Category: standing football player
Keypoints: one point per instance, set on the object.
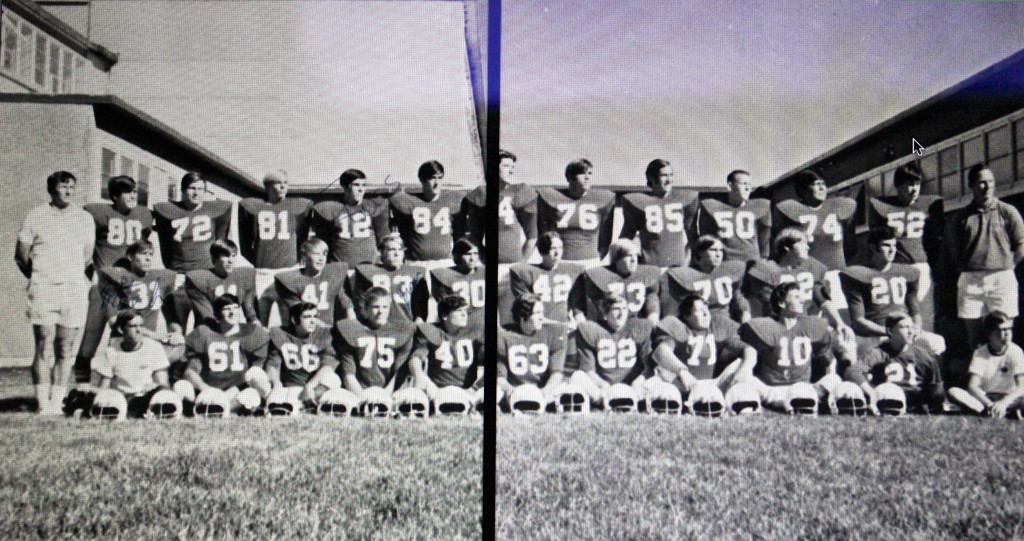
(743, 224)
(392, 274)
(616, 348)
(517, 214)
(551, 280)
(136, 367)
(204, 285)
(353, 227)
(581, 214)
(661, 217)
(317, 282)
(995, 383)
(301, 357)
(623, 275)
(718, 282)
(466, 279)
(530, 351)
(425, 219)
(373, 350)
(449, 354)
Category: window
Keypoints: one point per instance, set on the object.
(35, 59)
(929, 165)
(67, 76)
(949, 167)
(143, 185)
(127, 167)
(40, 73)
(107, 159)
(54, 67)
(974, 151)
(9, 55)
(888, 187)
(874, 185)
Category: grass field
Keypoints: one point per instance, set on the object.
(240, 478)
(759, 477)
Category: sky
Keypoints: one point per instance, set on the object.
(718, 85)
(310, 87)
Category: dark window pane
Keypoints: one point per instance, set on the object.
(1020, 133)
(127, 167)
(888, 188)
(40, 75)
(930, 169)
(949, 160)
(106, 170)
(999, 143)
(1020, 166)
(974, 152)
(1002, 168)
(874, 185)
(951, 187)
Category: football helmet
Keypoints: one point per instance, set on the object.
(338, 403)
(802, 399)
(663, 397)
(109, 405)
(706, 400)
(621, 398)
(527, 399)
(165, 404)
(848, 399)
(248, 401)
(453, 400)
(376, 402)
(282, 402)
(412, 402)
(743, 399)
(570, 398)
(891, 399)
(212, 403)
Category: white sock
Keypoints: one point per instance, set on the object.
(43, 395)
(57, 395)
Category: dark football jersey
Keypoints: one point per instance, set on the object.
(401, 282)
(552, 286)
(705, 353)
(765, 275)
(826, 226)
(640, 290)
(531, 359)
(186, 235)
(122, 289)
(451, 359)
(269, 236)
(374, 356)
(720, 288)
(447, 281)
(617, 357)
(351, 231)
(221, 361)
(517, 215)
(784, 355)
(745, 231)
(298, 359)
(426, 226)
(585, 224)
(204, 286)
(116, 231)
(875, 294)
(915, 369)
(918, 226)
(662, 222)
(326, 290)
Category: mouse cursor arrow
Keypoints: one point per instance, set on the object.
(916, 148)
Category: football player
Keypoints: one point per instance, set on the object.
(205, 285)
(517, 214)
(530, 351)
(623, 275)
(392, 273)
(425, 219)
(580, 213)
(718, 282)
(352, 227)
(374, 351)
(551, 280)
(661, 217)
(317, 282)
(301, 357)
(136, 366)
(995, 383)
(449, 354)
(466, 279)
(696, 346)
(616, 348)
(743, 224)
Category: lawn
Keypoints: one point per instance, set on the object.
(759, 477)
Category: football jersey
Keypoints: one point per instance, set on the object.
(351, 231)
(662, 222)
(122, 289)
(374, 356)
(617, 357)
(640, 290)
(915, 369)
(784, 355)
(826, 226)
(517, 215)
(426, 226)
(997, 372)
(186, 235)
(706, 352)
(765, 275)
(745, 231)
(269, 235)
(116, 231)
(451, 359)
(874, 294)
(400, 282)
(447, 281)
(531, 359)
(204, 286)
(552, 286)
(298, 359)
(718, 288)
(326, 290)
(222, 361)
(918, 226)
(585, 224)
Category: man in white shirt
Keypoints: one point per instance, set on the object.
(136, 367)
(995, 384)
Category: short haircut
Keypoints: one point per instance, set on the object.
(620, 248)
(993, 320)
(374, 293)
(299, 308)
(429, 169)
(311, 244)
(803, 180)
(222, 248)
(611, 299)
(504, 154)
(59, 177)
(654, 168)
(688, 303)
(191, 178)
(349, 176)
(879, 235)
(907, 173)
(450, 304)
(544, 241)
(120, 184)
(226, 299)
(779, 294)
(125, 317)
(705, 242)
(275, 176)
(577, 167)
(894, 318)
(974, 173)
(462, 245)
(522, 307)
(731, 177)
(139, 246)
(391, 238)
(787, 238)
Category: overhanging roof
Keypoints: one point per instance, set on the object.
(100, 56)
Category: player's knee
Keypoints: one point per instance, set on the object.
(331, 381)
(257, 378)
(827, 384)
(185, 390)
(246, 400)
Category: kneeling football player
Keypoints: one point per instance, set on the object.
(995, 384)
(373, 351)
(136, 366)
(448, 354)
(301, 359)
(614, 349)
(531, 351)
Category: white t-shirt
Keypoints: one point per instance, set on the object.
(997, 372)
(132, 371)
(61, 241)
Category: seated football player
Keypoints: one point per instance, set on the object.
(582, 214)
(696, 346)
(450, 353)
(373, 351)
(743, 224)
(903, 361)
(204, 285)
(229, 355)
(662, 217)
(623, 275)
(718, 282)
(135, 366)
(551, 280)
(317, 282)
(789, 348)
(995, 384)
(353, 226)
(614, 349)
(467, 278)
(392, 273)
(530, 350)
(301, 357)
(425, 219)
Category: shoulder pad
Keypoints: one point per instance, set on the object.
(589, 332)
(350, 330)
(674, 328)
(859, 273)
(764, 270)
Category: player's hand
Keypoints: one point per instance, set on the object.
(687, 379)
(998, 409)
(872, 398)
(174, 339)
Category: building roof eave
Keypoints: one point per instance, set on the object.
(100, 56)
